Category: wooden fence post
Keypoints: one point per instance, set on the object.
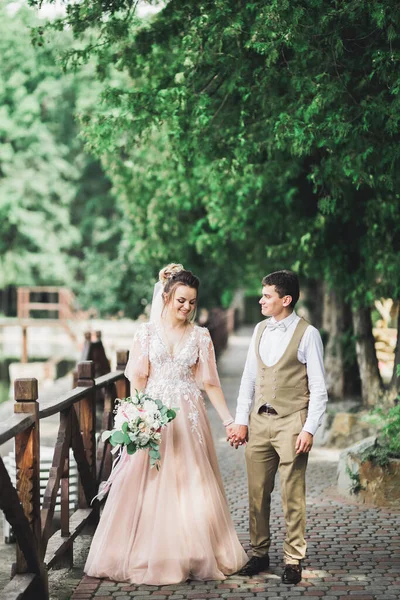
(27, 460)
(24, 350)
(86, 412)
(123, 385)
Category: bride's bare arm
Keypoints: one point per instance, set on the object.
(138, 383)
(217, 399)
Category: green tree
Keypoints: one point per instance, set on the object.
(258, 133)
(59, 222)
(37, 176)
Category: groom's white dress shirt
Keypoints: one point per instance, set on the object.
(273, 344)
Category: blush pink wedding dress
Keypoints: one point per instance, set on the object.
(167, 526)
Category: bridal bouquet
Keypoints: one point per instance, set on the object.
(137, 425)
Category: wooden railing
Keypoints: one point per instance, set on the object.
(38, 548)
(63, 306)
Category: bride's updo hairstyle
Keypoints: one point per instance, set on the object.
(174, 275)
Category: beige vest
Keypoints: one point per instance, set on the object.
(284, 385)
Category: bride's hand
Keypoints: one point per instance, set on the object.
(238, 436)
(230, 431)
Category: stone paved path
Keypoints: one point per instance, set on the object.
(353, 551)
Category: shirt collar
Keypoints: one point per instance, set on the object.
(287, 321)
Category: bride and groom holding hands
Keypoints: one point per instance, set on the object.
(167, 526)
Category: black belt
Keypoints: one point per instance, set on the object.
(267, 409)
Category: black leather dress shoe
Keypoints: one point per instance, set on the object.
(255, 565)
(291, 574)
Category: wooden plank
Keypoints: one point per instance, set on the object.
(18, 587)
(61, 452)
(57, 544)
(43, 306)
(123, 387)
(13, 511)
(62, 403)
(69, 398)
(108, 378)
(87, 477)
(86, 421)
(44, 289)
(27, 462)
(103, 455)
(14, 425)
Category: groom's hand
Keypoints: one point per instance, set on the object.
(238, 436)
(304, 442)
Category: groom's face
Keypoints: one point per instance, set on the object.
(271, 304)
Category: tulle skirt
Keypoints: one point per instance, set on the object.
(167, 526)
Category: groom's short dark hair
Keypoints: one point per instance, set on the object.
(286, 284)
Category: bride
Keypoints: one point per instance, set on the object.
(167, 526)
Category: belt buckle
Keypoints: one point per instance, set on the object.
(270, 411)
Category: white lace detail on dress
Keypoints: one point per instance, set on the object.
(142, 335)
(204, 344)
(172, 378)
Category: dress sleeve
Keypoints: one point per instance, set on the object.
(206, 369)
(138, 363)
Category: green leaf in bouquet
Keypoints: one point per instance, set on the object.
(131, 448)
(154, 462)
(171, 414)
(127, 439)
(117, 438)
(154, 454)
(125, 427)
(154, 445)
(164, 410)
(159, 404)
(105, 435)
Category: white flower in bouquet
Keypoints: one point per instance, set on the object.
(144, 439)
(126, 412)
(150, 407)
(138, 423)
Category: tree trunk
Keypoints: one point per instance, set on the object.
(342, 373)
(372, 389)
(394, 387)
(312, 294)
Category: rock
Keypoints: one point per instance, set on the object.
(348, 428)
(348, 466)
(365, 481)
(380, 485)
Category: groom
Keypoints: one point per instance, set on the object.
(281, 402)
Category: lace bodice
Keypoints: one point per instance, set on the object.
(174, 378)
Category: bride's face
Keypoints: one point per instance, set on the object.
(183, 302)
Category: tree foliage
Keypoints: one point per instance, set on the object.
(60, 224)
(253, 133)
(37, 177)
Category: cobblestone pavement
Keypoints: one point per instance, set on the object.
(353, 551)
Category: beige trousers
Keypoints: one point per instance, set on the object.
(271, 446)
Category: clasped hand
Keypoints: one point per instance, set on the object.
(237, 435)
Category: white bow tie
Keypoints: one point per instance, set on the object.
(275, 325)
